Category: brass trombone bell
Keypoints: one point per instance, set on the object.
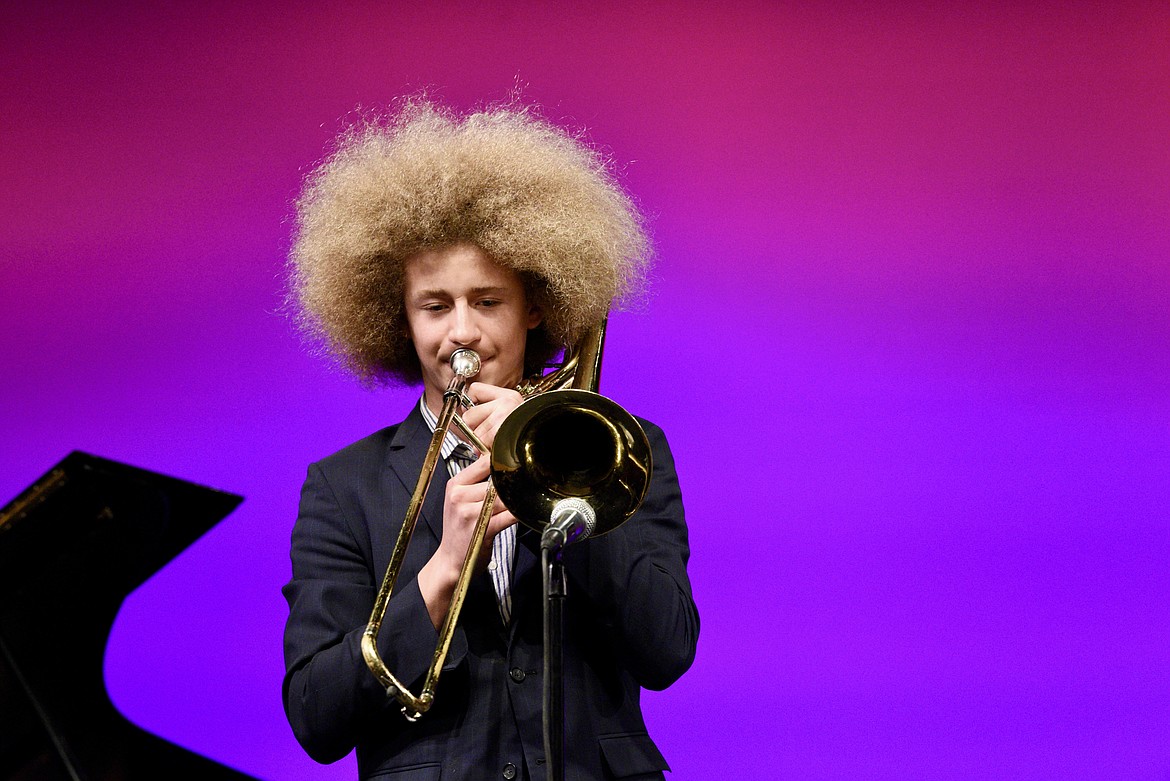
(571, 444)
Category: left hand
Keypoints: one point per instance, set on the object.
(492, 406)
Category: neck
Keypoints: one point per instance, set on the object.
(434, 401)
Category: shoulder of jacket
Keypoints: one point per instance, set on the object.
(369, 447)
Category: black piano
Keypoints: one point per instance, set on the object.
(72, 547)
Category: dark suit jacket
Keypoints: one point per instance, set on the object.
(630, 623)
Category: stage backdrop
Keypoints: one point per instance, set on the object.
(909, 336)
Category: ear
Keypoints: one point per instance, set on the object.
(535, 317)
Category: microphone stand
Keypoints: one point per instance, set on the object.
(554, 686)
(572, 519)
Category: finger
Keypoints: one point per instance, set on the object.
(487, 429)
(473, 416)
(497, 407)
(482, 392)
(500, 522)
(468, 499)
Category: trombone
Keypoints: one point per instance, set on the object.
(564, 444)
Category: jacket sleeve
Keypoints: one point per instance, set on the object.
(635, 579)
(330, 695)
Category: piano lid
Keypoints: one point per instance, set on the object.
(72, 547)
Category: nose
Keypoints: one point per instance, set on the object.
(464, 326)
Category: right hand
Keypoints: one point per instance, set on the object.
(461, 509)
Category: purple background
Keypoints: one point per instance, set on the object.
(909, 337)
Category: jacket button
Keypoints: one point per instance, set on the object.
(518, 676)
(509, 771)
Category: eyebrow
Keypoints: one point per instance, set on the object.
(475, 291)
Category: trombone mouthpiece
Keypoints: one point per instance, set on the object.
(465, 362)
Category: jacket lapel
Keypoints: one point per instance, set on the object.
(406, 454)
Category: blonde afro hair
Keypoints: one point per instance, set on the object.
(531, 196)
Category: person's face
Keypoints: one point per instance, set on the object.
(457, 296)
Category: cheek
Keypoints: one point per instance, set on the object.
(420, 335)
(514, 336)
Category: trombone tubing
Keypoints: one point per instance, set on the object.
(414, 706)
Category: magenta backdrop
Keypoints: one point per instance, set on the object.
(910, 339)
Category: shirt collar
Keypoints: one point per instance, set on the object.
(450, 441)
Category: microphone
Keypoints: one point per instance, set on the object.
(572, 519)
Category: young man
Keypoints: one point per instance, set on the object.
(500, 233)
